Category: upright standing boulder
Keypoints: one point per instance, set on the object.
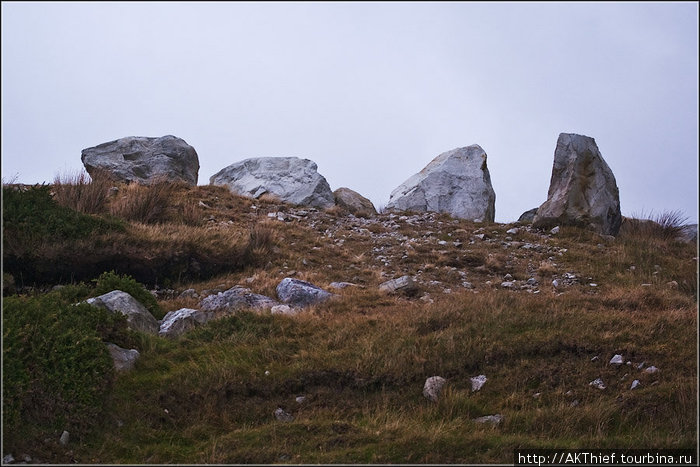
(289, 179)
(582, 190)
(144, 160)
(456, 182)
(353, 202)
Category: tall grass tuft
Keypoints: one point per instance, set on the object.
(665, 226)
(81, 193)
(144, 203)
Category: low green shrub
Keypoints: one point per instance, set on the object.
(57, 371)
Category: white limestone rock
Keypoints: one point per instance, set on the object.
(289, 179)
(456, 182)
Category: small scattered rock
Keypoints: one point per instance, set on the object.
(616, 360)
(493, 419)
(635, 384)
(341, 285)
(283, 416)
(595, 359)
(597, 383)
(432, 387)
(300, 399)
(283, 310)
(651, 369)
(8, 459)
(404, 284)
(65, 437)
(478, 382)
(555, 230)
(513, 231)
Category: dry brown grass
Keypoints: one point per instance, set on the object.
(82, 193)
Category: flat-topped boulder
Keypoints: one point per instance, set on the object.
(143, 160)
(456, 182)
(289, 179)
(582, 190)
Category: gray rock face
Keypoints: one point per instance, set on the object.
(353, 202)
(290, 179)
(456, 182)
(300, 293)
(582, 190)
(236, 298)
(144, 160)
(124, 359)
(177, 322)
(137, 316)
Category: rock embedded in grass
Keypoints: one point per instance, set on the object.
(237, 298)
(177, 322)
(433, 387)
(137, 316)
(300, 293)
(124, 359)
(597, 383)
(403, 285)
(478, 382)
(283, 416)
(492, 419)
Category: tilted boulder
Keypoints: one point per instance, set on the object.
(582, 190)
(143, 160)
(237, 298)
(300, 293)
(353, 202)
(178, 322)
(456, 182)
(137, 316)
(290, 179)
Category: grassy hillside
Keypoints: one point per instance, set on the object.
(350, 371)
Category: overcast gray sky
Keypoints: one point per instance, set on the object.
(371, 92)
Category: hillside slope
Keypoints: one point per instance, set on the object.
(539, 314)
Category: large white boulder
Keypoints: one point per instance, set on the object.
(144, 160)
(289, 179)
(582, 190)
(456, 182)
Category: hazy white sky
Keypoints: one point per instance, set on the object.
(371, 92)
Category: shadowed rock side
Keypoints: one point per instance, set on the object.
(289, 179)
(353, 202)
(143, 160)
(456, 182)
(582, 189)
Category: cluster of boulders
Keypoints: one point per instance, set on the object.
(582, 190)
(293, 294)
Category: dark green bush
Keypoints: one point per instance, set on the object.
(30, 214)
(57, 371)
(110, 281)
